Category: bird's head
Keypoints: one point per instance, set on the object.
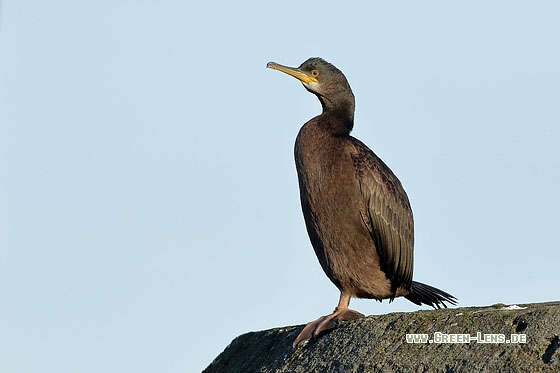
(324, 80)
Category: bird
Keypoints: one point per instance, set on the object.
(356, 211)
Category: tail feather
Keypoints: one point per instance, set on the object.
(425, 294)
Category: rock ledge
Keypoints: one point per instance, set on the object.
(379, 343)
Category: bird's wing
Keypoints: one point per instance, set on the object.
(386, 214)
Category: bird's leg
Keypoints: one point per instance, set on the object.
(342, 312)
(326, 323)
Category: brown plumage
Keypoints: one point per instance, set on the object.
(357, 214)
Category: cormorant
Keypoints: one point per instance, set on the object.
(357, 214)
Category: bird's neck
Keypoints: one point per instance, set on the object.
(338, 115)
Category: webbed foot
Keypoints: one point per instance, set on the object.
(326, 323)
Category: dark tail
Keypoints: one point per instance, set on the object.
(425, 294)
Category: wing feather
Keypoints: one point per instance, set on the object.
(387, 215)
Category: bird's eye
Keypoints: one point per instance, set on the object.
(315, 73)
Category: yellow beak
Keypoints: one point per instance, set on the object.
(296, 73)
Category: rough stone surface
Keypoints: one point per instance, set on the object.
(378, 344)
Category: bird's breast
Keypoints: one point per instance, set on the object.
(329, 187)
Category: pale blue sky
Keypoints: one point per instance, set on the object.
(149, 208)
